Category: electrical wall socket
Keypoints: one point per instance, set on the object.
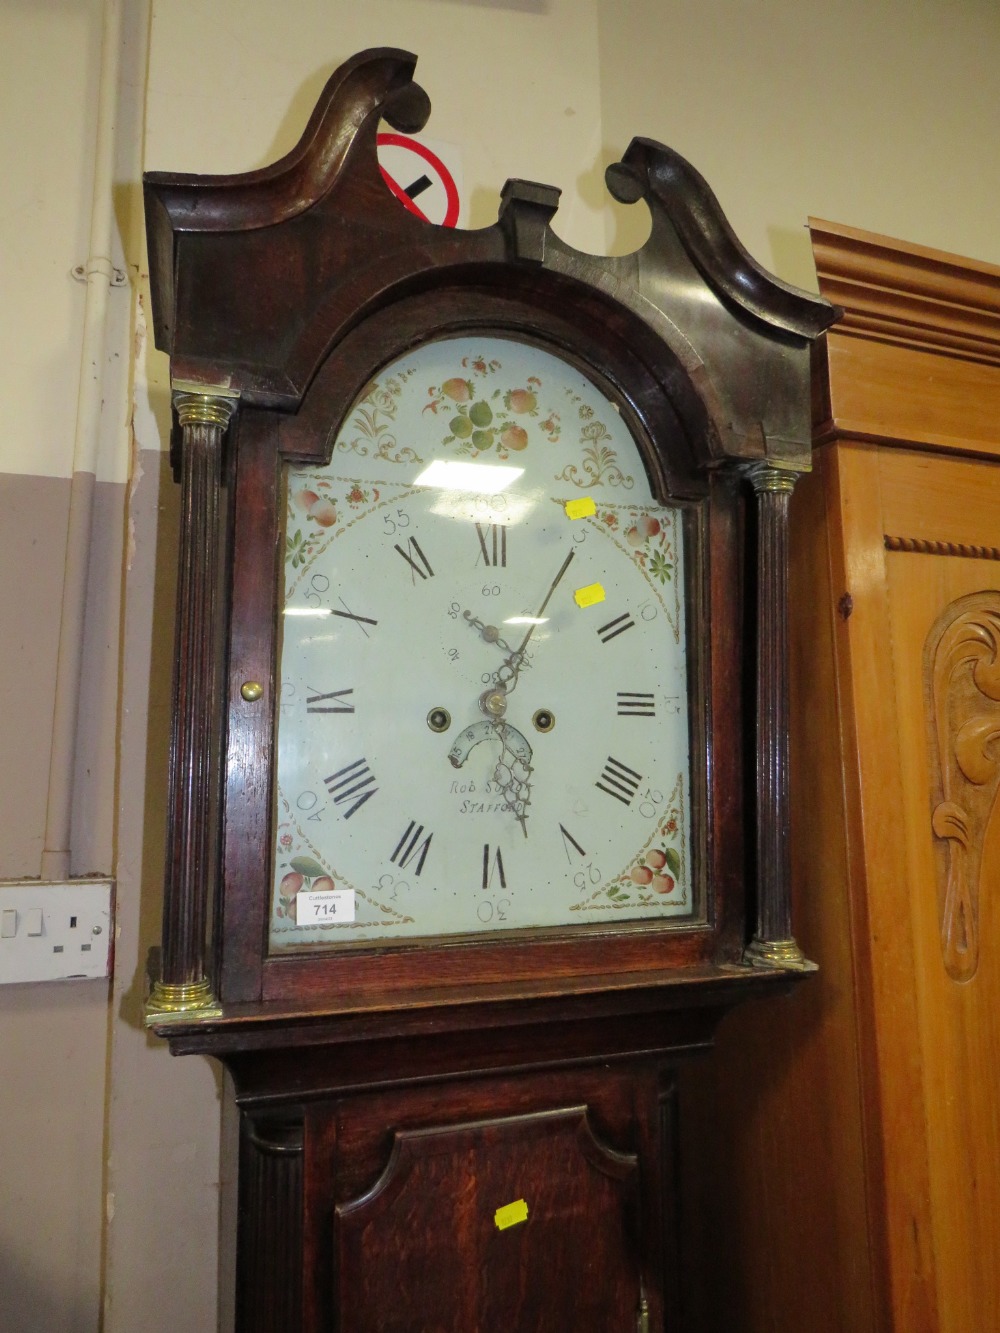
(55, 932)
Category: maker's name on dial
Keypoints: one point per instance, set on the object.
(480, 807)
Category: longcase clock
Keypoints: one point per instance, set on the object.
(478, 779)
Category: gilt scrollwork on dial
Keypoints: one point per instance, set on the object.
(962, 680)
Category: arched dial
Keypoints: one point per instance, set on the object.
(483, 715)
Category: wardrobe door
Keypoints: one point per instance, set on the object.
(941, 540)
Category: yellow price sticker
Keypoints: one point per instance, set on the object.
(590, 595)
(582, 508)
(510, 1214)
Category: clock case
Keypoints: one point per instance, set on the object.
(278, 295)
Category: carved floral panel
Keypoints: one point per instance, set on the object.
(962, 688)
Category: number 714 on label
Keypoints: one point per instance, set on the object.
(326, 908)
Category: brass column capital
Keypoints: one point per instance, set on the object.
(204, 406)
(768, 476)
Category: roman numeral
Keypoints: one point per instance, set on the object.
(421, 565)
(354, 781)
(632, 704)
(568, 842)
(492, 868)
(492, 544)
(317, 703)
(410, 845)
(619, 781)
(360, 621)
(615, 627)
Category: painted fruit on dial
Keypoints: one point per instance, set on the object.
(458, 390)
(514, 437)
(522, 400)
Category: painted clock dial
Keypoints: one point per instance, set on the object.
(483, 711)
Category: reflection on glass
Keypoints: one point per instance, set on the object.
(480, 478)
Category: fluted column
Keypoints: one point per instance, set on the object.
(773, 943)
(183, 984)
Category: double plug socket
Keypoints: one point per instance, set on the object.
(55, 932)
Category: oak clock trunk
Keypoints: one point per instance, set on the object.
(479, 768)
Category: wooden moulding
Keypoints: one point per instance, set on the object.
(905, 306)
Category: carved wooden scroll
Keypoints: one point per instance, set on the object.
(962, 685)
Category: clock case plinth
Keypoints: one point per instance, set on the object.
(278, 294)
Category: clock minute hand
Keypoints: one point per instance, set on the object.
(515, 788)
(515, 661)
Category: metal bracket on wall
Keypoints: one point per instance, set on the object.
(83, 272)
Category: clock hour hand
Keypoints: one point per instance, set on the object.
(513, 771)
(489, 632)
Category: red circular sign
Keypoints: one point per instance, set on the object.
(429, 173)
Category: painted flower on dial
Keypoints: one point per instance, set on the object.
(646, 536)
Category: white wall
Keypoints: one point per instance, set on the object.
(883, 114)
(50, 56)
(52, 1039)
(517, 85)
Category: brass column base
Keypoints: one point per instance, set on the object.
(777, 953)
(168, 1003)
